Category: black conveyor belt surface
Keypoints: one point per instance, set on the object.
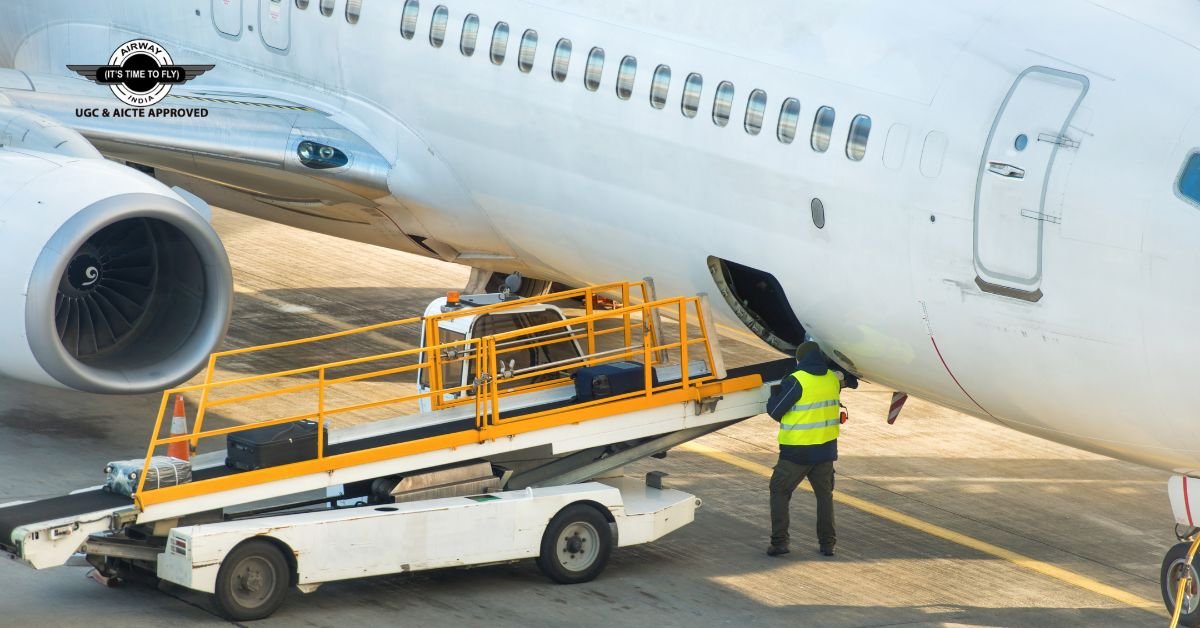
(56, 508)
(773, 371)
(14, 517)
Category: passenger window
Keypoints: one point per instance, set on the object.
(470, 33)
(723, 103)
(822, 129)
(789, 120)
(625, 77)
(856, 141)
(691, 95)
(660, 86)
(499, 43)
(756, 109)
(562, 60)
(528, 51)
(437, 28)
(408, 19)
(1189, 179)
(353, 10)
(327, 7)
(594, 70)
(302, 4)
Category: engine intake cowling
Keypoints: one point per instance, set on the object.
(114, 283)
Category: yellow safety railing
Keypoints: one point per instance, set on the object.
(494, 378)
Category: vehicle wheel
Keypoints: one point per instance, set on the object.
(1174, 567)
(576, 545)
(252, 581)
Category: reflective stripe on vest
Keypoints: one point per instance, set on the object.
(813, 406)
(814, 419)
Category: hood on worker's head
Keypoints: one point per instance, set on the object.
(810, 358)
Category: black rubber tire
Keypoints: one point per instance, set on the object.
(568, 569)
(267, 566)
(1177, 553)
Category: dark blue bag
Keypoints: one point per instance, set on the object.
(614, 378)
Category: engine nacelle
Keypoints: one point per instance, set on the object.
(112, 283)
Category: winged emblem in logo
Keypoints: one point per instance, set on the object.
(140, 73)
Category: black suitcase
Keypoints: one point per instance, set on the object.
(614, 378)
(273, 445)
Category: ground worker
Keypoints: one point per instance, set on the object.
(807, 407)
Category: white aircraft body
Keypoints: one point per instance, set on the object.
(991, 205)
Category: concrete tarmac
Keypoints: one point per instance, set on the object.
(943, 519)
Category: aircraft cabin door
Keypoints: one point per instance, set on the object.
(275, 24)
(1028, 132)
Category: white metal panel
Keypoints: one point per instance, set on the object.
(227, 16)
(933, 153)
(895, 146)
(377, 540)
(1185, 499)
(182, 570)
(1014, 173)
(649, 514)
(50, 543)
(275, 23)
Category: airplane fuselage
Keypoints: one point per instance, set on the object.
(1046, 283)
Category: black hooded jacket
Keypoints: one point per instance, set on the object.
(788, 394)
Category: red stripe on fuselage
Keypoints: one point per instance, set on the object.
(956, 382)
(1186, 505)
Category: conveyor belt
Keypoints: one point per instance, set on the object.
(85, 502)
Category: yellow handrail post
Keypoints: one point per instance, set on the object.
(320, 413)
(162, 410)
(493, 382)
(652, 325)
(683, 343)
(588, 298)
(435, 361)
(628, 318)
(646, 356)
(477, 392)
(203, 407)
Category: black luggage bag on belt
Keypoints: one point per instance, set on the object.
(273, 445)
(614, 378)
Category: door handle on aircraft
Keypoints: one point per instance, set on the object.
(1006, 170)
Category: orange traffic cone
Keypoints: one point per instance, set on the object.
(179, 449)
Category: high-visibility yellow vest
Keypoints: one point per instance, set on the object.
(814, 419)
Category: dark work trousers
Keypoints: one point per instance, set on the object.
(784, 481)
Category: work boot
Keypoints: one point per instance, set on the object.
(827, 550)
(777, 550)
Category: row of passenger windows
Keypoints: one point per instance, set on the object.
(786, 126)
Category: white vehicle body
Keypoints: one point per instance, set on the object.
(429, 534)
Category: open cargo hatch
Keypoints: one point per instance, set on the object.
(759, 301)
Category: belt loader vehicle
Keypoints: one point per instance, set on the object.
(505, 448)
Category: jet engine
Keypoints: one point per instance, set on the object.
(111, 282)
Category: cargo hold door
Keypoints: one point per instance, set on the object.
(1016, 167)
